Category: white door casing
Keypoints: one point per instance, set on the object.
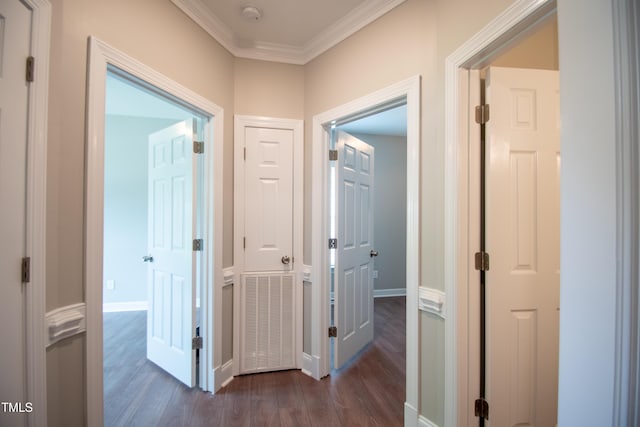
(103, 57)
(523, 239)
(15, 32)
(268, 199)
(354, 263)
(172, 266)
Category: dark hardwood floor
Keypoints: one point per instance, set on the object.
(368, 391)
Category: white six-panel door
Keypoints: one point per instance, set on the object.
(354, 265)
(523, 239)
(171, 281)
(268, 199)
(15, 30)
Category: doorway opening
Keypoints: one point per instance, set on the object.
(319, 306)
(382, 134)
(150, 216)
(175, 165)
(529, 184)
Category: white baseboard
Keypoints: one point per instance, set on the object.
(223, 375)
(410, 416)
(111, 307)
(311, 366)
(391, 292)
(425, 422)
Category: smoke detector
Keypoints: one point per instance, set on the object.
(251, 13)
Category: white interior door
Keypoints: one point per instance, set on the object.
(172, 260)
(268, 199)
(523, 239)
(15, 30)
(354, 262)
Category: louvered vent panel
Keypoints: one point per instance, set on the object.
(268, 323)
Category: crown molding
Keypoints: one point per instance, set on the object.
(348, 25)
(352, 22)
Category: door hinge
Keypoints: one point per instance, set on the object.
(482, 408)
(333, 331)
(196, 343)
(197, 244)
(26, 270)
(333, 154)
(482, 114)
(333, 243)
(482, 261)
(198, 147)
(30, 69)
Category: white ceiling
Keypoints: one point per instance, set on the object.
(291, 31)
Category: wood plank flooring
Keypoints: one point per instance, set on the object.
(368, 391)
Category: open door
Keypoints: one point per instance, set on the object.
(171, 320)
(523, 240)
(15, 20)
(355, 250)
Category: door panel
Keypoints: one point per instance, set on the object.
(15, 30)
(354, 278)
(172, 278)
(523, 154)
(268, 199)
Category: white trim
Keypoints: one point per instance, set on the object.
(476, 50)
(310, 365)
(36, 358)
(228, 275)
(65, 322)
(391, 292)
(115, 307)
(432, 301)
(306, 273)
(425, 422)
(224, 374)
(349, 24)
(101, 55)
(297, 126)
(626, 27)
(409, 89)
(410, 415)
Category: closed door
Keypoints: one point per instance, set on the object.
(523, 239)
(354, 257)
(268, 199)
(15, 30)
(171, 255)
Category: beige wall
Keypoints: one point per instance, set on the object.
(269, 89)
(539, 50)
(161, 36)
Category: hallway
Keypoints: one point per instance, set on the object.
(368, 391)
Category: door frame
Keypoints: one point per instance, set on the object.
(461, 209)
(320, 290)
(296, 126)
(102, 57)
(36, 206)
